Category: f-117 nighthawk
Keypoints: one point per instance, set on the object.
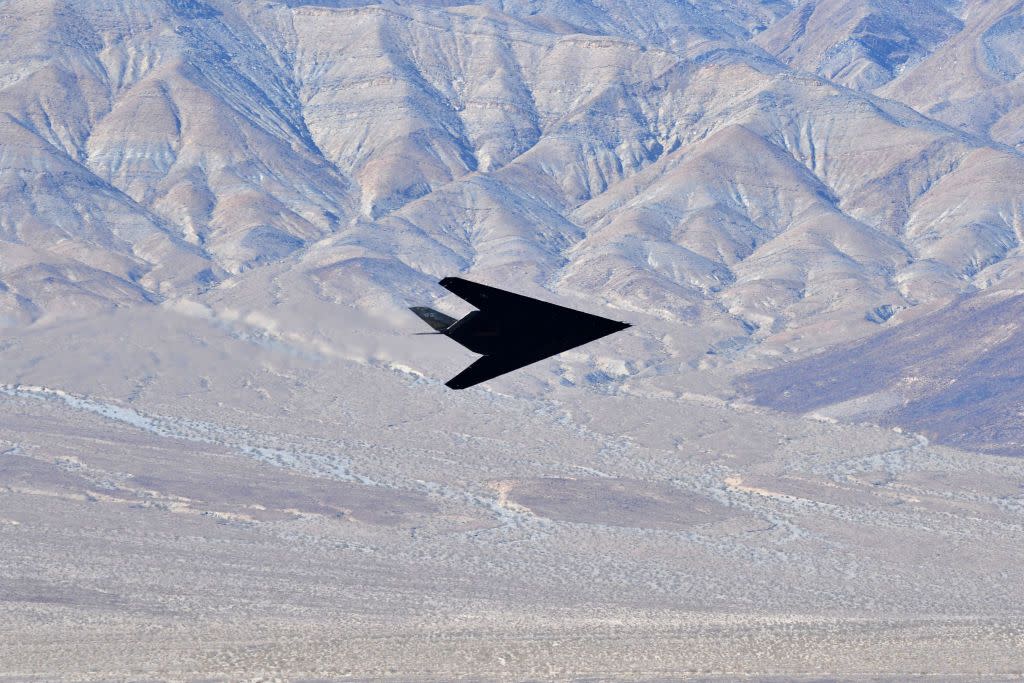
(511, 330)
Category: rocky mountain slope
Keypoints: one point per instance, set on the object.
(752, 181)
(224, 456)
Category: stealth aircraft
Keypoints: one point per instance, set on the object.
(511, 330)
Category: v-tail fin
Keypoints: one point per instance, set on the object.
(439, 321)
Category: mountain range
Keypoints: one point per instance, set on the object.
(226, 454)
(816, 206)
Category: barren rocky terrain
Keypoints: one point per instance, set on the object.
(279, 523)
(223, 456)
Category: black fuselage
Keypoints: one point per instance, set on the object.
(541, 332)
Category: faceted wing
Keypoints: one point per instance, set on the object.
(489, 367)
(490, 298)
